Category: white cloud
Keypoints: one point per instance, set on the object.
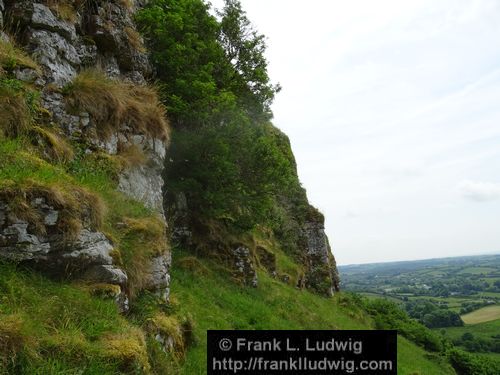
(479, 191)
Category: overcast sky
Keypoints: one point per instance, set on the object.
(393, 112)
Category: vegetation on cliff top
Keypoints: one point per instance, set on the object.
(234, 167)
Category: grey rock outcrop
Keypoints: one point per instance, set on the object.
(21, 241)
(105, 273)
(145, 182)
(321, 271)
(244, 267)
(102, 35)
(158, 278)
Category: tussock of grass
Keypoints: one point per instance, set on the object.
(64, 9)
(193, 265)
(135, 39)
(16, 116)
(169, 327)
(141, 239)
(49, 327)
(113, 103)
(13, 338)
(131, 156)
(77, 206)
(12, 57)
(128, 4)
(53, 144)
(106, 291)
(129, 349)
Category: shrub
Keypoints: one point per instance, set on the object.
(470, 364)
(387, 315)
(113, 103)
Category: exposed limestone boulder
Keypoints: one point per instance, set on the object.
(39, 16)
(113, 30)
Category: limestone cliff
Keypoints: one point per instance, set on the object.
(91, 70)
(87, 35)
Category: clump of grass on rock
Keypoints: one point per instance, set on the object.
(112, 103)
(12, 57)
(77, 206)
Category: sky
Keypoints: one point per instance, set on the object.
(393, 112)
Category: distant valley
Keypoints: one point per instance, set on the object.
(459, 297)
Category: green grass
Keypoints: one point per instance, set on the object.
(205, 291)
(55, 327)
(482, 330)
(416, 361)
(482, 315)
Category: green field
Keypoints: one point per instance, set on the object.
(482, 330)
(478, 270)
(482, 315)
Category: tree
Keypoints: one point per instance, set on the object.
(245, 50)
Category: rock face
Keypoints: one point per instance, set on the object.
(321, 271)
(159, 278)
(145, 182)
(2, 7)
(101, 34)
(244, 266)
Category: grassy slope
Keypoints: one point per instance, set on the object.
(49, 327)
(205, 291)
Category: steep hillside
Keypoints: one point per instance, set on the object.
(105, 174)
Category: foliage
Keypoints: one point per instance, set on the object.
(245, 49)
(232, 173)
(206, 67)
(469, 364)
(433, 316)
(387, 315)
